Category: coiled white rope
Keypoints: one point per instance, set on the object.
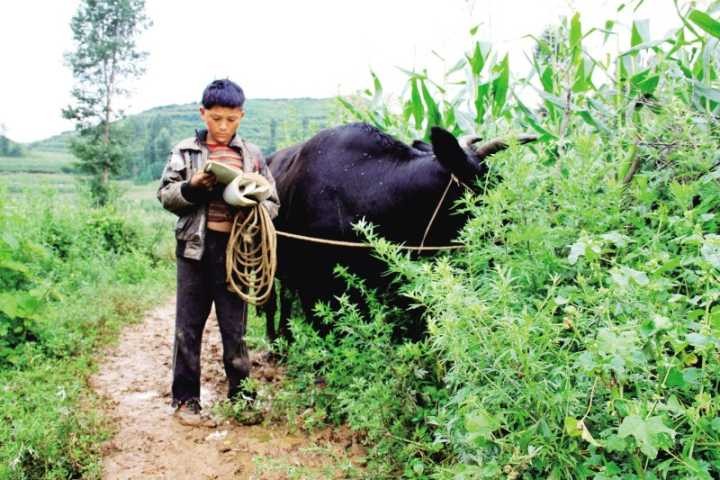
(251, 255)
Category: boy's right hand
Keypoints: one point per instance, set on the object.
(203, 179)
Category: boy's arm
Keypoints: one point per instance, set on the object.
(176, 194)
(272, 203)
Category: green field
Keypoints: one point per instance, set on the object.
(37, 161)
(41, 171)
(72, 275)
(70, 185)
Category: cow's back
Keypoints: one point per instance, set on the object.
(351, 172)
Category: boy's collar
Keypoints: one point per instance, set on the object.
(201, 138)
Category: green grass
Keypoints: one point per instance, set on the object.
(70, 186)
(36, 183)
(53, 425)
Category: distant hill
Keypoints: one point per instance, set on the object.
(294, 119)
(269, 123)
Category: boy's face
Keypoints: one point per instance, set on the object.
(222, 122)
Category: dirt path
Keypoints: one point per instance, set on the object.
(150, 443)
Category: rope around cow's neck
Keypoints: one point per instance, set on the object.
(437, 209)
(344, 243)
(251, 256)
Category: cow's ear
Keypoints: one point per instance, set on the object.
(452, 156)
(445, 145)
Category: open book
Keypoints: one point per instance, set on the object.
(223, 173)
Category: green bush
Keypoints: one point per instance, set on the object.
(113, 232)
(577, 334)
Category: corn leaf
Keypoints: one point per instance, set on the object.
(546, 79)
(477, 60)
(351, 108)
(706, 22)
(481, 98)
(532, 119)
(609, 25)
(500, 86)
(458, 66)
(592, 121)
(575, 34)
(640, 33)
(707, 92)
(418, 111)
(433, 113)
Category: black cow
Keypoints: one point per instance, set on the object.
(347, 173)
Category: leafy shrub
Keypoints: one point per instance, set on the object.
(113, 232)
(18, 325)
(577, 335)
(359, 376)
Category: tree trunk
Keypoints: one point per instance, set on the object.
(106, 134)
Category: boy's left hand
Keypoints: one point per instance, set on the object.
(203, 179)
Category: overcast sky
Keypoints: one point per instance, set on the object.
(274, 48)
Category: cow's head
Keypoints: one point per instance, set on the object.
(466, 158)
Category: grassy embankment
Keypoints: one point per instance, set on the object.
(71, 275)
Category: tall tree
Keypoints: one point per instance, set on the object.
(106, 55)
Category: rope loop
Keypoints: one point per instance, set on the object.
(251, 256)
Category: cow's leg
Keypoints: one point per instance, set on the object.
(269, 309)
(286, 303)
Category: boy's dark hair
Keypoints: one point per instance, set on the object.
(224, 93)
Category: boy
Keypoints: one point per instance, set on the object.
(202, 232)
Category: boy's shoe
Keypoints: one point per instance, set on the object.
(190, 414)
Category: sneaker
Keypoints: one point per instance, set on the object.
(190, 414)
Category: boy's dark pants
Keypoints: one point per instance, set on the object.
(199, 284)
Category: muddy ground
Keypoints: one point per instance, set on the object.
(149, 443)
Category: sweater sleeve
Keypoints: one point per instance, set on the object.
(171, 185)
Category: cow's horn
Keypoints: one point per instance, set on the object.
(469, 141)
(499, 144)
